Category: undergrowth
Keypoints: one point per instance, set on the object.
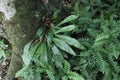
(83, 46)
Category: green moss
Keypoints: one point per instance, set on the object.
(21, 29)
(26, 11)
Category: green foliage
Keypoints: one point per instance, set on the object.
(63, 46)
(68, 19)
(66, 29)
(83, 46)
(49, 53)
(3, 51)
(2, 48)
(71, 41)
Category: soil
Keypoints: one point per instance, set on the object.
(3, 69)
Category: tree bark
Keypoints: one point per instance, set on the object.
(20, 28)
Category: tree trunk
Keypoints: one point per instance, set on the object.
(21, 25)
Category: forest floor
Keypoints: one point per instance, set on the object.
(3, 70)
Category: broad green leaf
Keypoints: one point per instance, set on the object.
(27, 56)
(49, 37)
(39, 32)
(2, 53)
(20, 72)
(57, 56)
(68, 19)
(43, 56)
(71, 41)
(63, 46)
(28, 52)
(66, 29)
(39, 51)
(56, 50)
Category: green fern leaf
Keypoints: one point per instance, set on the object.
(107, 75)
(74, 76)
(101, 39)
(65, 78)
(102, 36)
(27, 55)
(68, 19)
(50, 73)
(66, 67)
(58, 56)
(66, 29)
(71, 41)
(100, 62)
(63, 46)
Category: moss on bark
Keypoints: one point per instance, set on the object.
(21, 29)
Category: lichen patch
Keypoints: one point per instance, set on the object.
(8, 8)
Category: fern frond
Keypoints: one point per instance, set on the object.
(104, 25)
(100, 62)
(85, 41)
(101, 39)
(74, 76)
(50, 74)
(66, 67)
(37, 76)
(107, 75)
(85, 73)
(91, 62)
(65, 78)
(115, 32)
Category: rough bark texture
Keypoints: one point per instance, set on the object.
(21, 29)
